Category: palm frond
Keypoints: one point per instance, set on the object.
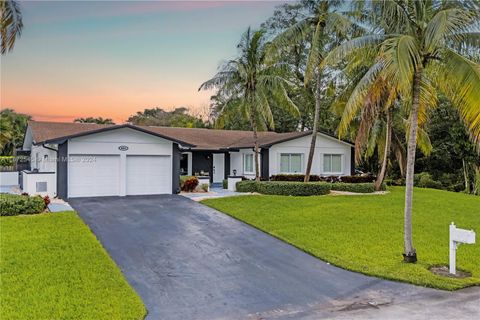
(357, 97)
(446, 24)
(345, 49)
(459, 79)
(401, 56)
(11, 24)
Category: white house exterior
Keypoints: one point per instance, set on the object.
(88, 160)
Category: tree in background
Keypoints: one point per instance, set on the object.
(11, 24)
(421, 47)
(179, 117)
(323, 26)
(97, 120)
(453, 159)
(250, 82)
(13, 126)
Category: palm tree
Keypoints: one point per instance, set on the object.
(421, 48)
(251, 84)
(323, 27)
(11, 24)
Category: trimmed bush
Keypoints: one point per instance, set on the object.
(225, 184)
(293, 188)
(354, 187)
(13, 204)
(287, 188)
(6, 161)
(293, 177)
(284, 188)
(246, 186)
(315, 178)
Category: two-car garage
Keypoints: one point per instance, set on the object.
(101, 175)
(118, 163)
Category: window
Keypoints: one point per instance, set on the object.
(332, 163)
(248, 163)
(291, 162)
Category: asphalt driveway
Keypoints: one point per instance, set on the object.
(188, 261)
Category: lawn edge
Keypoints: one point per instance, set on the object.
(335, 264)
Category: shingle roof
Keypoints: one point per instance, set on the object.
(197, 138)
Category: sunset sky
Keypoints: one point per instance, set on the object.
(114, 58)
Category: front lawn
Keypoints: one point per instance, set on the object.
(53, 267)
(365, 233)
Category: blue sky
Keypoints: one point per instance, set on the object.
(111, 59)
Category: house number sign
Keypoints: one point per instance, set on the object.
(123, 148)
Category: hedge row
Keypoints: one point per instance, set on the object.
(13, 204)
(301, 188)
(284, 188)
(315, 178)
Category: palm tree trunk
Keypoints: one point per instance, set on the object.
(476, 186)
(410, 254)
(466, 176)
(315, 129)
(386, 153)
(253, 123)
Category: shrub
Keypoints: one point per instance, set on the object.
(315, 178)
(13, 204)
(293, 177)
(293, 188)
(204, 187)
(225, 184)
(247, 186)
(6, 161)
(425, 180)
(284, 188)
(189, 184)
(355, 187)
(47, 201)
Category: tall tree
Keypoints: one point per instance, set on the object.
(179, 117)
(97, 120)
(11, 24)
(421, 47)
(320, 26)
(251, 83)
(15, 125)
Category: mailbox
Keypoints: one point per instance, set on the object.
(462, 236)
(457, 237)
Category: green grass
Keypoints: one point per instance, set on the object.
(53, 267)
(365, 233)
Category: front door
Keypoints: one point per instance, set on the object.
(218, 167)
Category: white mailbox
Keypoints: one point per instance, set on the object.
(458, 236)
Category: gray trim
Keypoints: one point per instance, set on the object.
(109, 128)
(264, 166)
(62, 170)
(176, 155)
(306, 133)
(352, 161)
(226, 165)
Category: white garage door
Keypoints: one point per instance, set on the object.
(93, 175)
(149, 175)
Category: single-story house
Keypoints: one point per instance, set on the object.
(83, 159)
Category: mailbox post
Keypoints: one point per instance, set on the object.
(457, 237)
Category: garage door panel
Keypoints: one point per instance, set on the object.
(94, 175)
(148, 175)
